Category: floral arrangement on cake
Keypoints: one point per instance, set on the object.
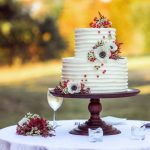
(33, 124)
(71, 87)
(101, 22)
(104, 50)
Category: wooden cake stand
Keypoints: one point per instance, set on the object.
(95, 107)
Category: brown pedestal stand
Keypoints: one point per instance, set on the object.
(95, 108)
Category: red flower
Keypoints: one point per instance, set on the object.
(94, 25)
(100, 22)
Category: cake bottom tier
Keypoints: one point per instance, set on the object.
(112, 76)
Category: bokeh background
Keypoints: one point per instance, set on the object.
(36, 34)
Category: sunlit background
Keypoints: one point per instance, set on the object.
(36, 34)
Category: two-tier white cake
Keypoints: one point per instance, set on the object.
(96, 66)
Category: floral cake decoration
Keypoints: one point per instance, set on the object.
(33, 124)
(71, 87)
(104, 49)
(101, 22)
(99, 54)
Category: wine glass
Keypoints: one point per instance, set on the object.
(54, 103)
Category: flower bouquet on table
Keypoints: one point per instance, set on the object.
(33, 124)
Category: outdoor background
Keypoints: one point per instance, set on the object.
(36, 34)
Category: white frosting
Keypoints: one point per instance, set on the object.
(86, 38)
(78, 68)
(114, 80)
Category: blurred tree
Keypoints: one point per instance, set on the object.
(50, 40)
(26, 38)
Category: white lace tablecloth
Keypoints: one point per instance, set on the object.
(65, 141)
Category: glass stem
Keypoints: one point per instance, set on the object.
(54, 119)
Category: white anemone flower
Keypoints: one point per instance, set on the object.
(102, 54)
(22, 121)
(73, 87)
(111, 46)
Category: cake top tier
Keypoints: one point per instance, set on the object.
(95, 29)
(98, 43)
(101, 22)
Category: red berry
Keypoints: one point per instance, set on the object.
(94, 25)
(106, 22)
(98, 26)
(104, 71)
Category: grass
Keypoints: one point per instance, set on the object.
(29, 71)
(23, 89)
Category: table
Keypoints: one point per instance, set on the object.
(65, 141)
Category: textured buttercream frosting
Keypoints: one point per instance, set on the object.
(85, 38)
(112, 76)
(114, 80)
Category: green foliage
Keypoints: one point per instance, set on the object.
(26, 38)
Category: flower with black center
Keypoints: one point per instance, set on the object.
(111, 46)
(102, 54)
(73, 87)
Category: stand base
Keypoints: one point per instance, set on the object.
(83, 129)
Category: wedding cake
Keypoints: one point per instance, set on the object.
(97, 66)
